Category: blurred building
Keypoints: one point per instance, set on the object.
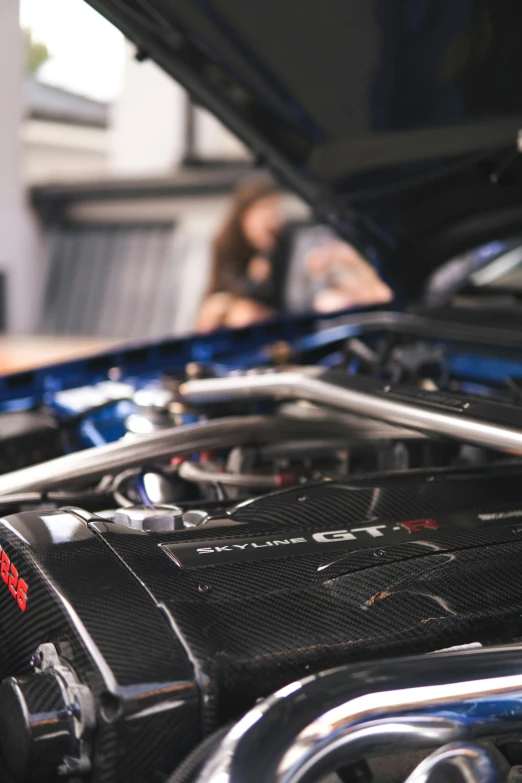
(130, 200)
(107, 212)
(152, 129)
(64, 135)
(156, 128)
(19, 270)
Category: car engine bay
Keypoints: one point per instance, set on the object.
(341, 499)
(288, 552)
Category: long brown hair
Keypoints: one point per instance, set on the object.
(231, 250)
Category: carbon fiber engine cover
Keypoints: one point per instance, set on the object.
(176, 633)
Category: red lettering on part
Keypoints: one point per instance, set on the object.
(13, 581)
(416, 525)
(4, 567)
(16, 586)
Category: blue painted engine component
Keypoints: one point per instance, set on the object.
(93, 398)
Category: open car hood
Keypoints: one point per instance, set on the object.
(397, 120)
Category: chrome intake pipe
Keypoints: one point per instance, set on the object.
(92, 464)
(447, 701)
(474, 763)
(458, 419)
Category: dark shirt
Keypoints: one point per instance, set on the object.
(271, 292)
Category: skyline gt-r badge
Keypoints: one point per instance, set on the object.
(221, 551)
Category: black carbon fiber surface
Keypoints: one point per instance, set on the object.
(36, 731)
(85, 601)
(182, 650)
(259, 625)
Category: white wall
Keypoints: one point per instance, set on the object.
(148, 124)
(147, 121)
(56, 152)
(213, 140)
(16, 228)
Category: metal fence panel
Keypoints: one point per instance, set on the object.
(113, 279)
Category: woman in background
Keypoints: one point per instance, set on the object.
(242, 286)
(250, 259)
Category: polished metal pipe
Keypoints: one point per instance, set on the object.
(374, 738)
(314, 726)
(92, 464)
(358, 428)
(474, 763)
(307, 384)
